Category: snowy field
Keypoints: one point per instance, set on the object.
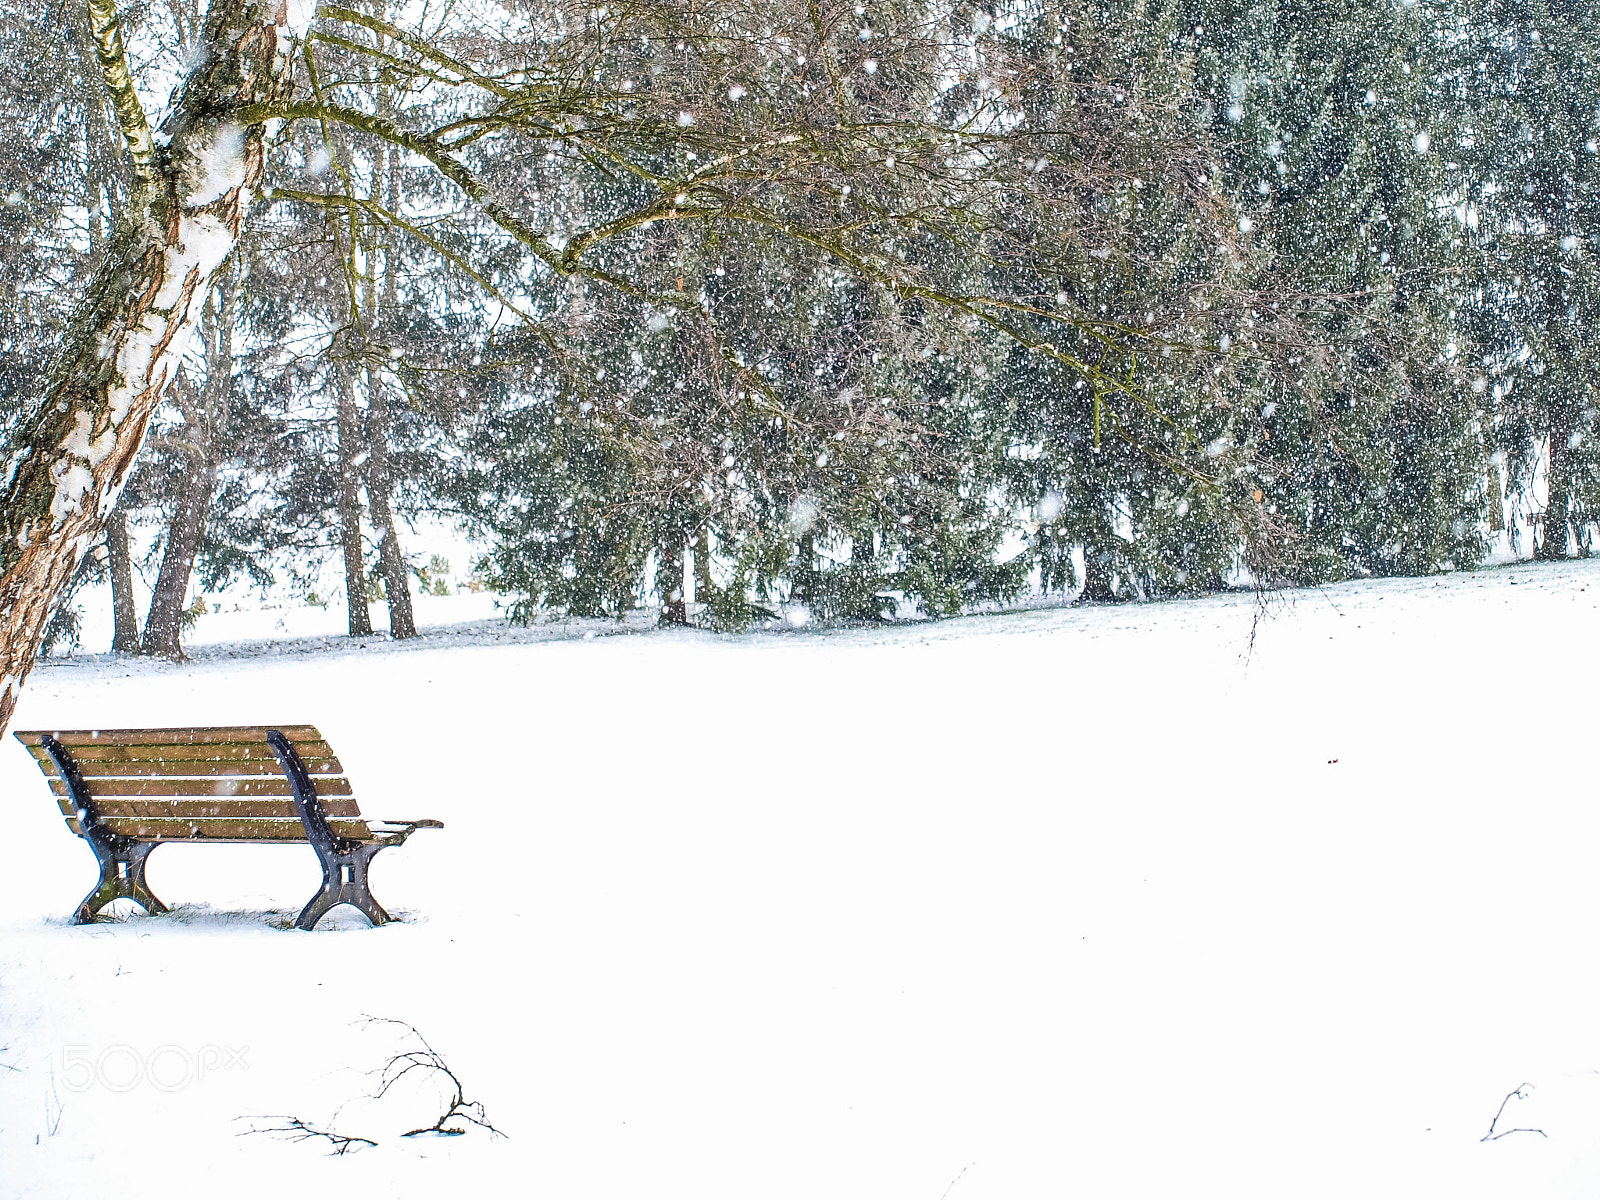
(1050, 904)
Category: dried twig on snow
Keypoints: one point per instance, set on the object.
(1521, 1093)
(296, 1130)
(955, 1181)
(426, 1059)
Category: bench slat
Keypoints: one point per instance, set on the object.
(228, 829)
(123, 806)
(222, 734)
(220, 752)
(307, 748)
(116, 768)
(102, 789)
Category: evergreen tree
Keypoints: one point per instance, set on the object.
(1135, 467)
(1336, 120)
(1531, 71)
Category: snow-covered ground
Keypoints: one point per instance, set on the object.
(1053, 903)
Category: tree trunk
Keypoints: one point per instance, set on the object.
(670, 583)
(804, 589)
(1556, 542)
(163, 625)
(70, 458)
(350, 451)
(702, 567)
(380, 482)
(864, 601)
(396, 584)
(1096, 579)
(204, 428)
(124, 616)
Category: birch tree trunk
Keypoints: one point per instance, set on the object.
(192, 186)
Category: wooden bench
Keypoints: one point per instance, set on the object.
(126, 791)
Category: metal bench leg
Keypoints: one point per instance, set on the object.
(344, 881)
(121, 878)
(344, 862)
(121, 859)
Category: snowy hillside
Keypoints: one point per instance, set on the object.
(1057, 903)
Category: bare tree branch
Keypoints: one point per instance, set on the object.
(428, 1061)
(113, 57)
(293, 1129)
(1494, 1135)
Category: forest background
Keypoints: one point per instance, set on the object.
(863, 308)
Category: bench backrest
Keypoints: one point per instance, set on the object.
(198, 785)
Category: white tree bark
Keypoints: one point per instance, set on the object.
(194, 179)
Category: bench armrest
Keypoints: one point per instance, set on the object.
(394, 833)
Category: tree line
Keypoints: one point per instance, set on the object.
(843, 304)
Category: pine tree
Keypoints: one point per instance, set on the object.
(1336, 120)
(1531, 71)
(1134, 469)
